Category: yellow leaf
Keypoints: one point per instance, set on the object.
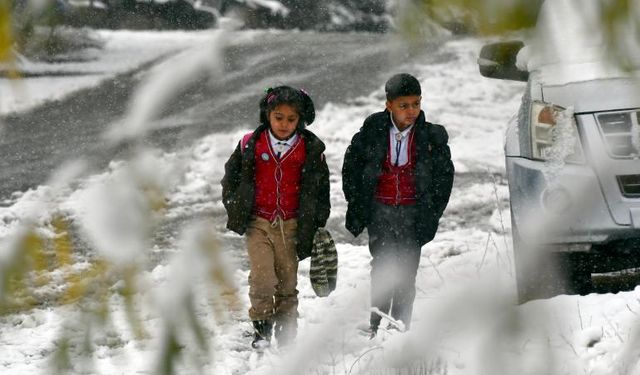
(78, 284)
(7, 39)
(34, 248)
(6, 36)
(76, 288)
(62, 242)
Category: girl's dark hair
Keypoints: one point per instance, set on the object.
(298, 99)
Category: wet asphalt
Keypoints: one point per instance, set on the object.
(333, 67)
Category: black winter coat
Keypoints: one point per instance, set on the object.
(363, 162)
(238, 189)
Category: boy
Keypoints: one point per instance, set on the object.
(397, 178)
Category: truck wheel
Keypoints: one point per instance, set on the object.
(577, 270)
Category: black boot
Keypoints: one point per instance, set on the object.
(372, 332)
(262, 334)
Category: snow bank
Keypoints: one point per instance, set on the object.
(123, 51)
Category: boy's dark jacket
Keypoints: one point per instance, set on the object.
(238, 189)
(363, 164)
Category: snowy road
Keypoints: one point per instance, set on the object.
(333, 67)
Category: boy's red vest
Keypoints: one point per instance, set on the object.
(397, 185)
(277, 181)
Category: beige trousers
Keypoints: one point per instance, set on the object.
(273, 273)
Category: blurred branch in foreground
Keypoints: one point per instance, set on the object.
(484, 17)
(500, 17)
(91, 261)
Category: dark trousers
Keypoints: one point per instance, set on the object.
(396, 256)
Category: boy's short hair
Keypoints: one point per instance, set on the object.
(402, 84)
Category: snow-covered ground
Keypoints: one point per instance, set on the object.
(465, 319)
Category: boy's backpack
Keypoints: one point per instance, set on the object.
(324, 263)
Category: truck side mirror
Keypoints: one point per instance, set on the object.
(498, 60)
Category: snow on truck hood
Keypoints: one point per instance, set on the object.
(569, 44)
(595, 95)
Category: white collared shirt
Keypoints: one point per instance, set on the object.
(403, 158)
(281, 147)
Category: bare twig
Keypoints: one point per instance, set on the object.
(484, 255)
(504, 230)
(564, 338)
(579, 314)
(362, 355)
(498, 257)
(615, 330)
(422, 291)
(436, 269)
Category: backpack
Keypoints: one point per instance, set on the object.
(244, 141)
(324, 263)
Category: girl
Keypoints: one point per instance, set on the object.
(276, 192)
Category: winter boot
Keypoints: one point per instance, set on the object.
(372, 331)
(368, 330)
(286, 329)
(262, 334)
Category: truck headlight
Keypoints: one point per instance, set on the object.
(554, 134)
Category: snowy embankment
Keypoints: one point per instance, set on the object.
(464, 319)
(122, 51)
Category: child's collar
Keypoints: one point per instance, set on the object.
(288, 140)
